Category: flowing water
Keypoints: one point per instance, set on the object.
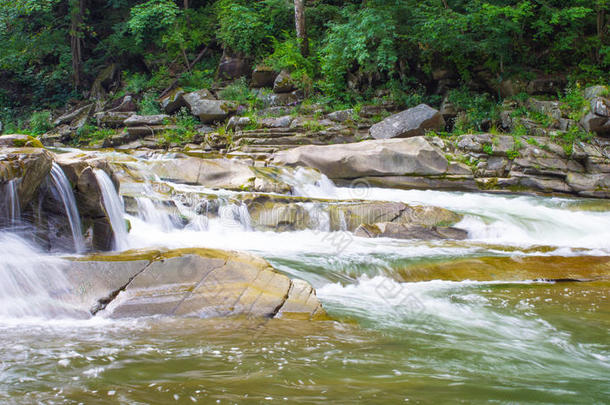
(114, 209)
(62, 187)
(396, 337)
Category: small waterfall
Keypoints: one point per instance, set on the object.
(114, 209)
(32, 284)
(61, 184)
(11, 211)
(149, 213)
(233, 215)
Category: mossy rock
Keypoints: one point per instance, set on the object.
(20, 141)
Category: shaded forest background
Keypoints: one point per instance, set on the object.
(51, 51)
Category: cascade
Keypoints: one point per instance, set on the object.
(61, 185)
(114, 209)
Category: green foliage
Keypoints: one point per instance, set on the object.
(150, 19)
(89, 134)
(573, 102)
(149, 105)
(40, 122)
(239, 91)
(184, 132)
(488, 148)
(574, 134)
(476, 107)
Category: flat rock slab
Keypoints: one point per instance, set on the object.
(202, 283)
(386, 157)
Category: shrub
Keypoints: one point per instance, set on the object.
(40, 122)
(149, 105)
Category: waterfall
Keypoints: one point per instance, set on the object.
(61, 184)
(149, 213)
(233, 215)
(114, 209)
(11, 208)
(32, 284)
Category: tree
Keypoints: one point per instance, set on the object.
(301, 28)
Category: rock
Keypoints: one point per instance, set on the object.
(402, 231)
(201, 283)
(278, 217)
(207, 109)
(149, 130)
(173, 101)
(388, 157)
(281, 99)
(514, 268)
(283, 83)
(589, 184)
(280, 122)
(595, 123)
(547, 85)
(31, 165)
(596, 91)
(144, 120)
(600, 106)
(237, 123)
(112, 119)
(549, 108)
(125, 104)
(448, 110)
(349, 216)
(232, 67)
(19, 141)
(412, 122)
(263, 76)
(341, 116)
(510, 87)
(79, 116)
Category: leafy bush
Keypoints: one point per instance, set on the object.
(238, 91)
(149, 105)
(477, 108)
(40, 122)
(150, 19)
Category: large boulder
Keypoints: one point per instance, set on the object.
(233, 67)
(263, 76)
(403, 231)
(28, 166)
(203, 106)
(415, 121)
(112, 119)
(146, 120)
(173, 101)
(386, 157)
(284, 83)
(598, 119)
(201, 283)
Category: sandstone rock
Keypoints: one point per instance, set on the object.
(263, 76)
(207, 109)
(388, 157)
(412, 122)
(283, 83)
(403, 231)
(19, 141)
(349, 216)
(28, 164)
(146, 120)
(173, 101)
(237, 123)
(600, 106)
(200, 283)
(78, 116)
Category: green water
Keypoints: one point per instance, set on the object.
(468, 342)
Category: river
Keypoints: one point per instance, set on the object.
(470, 321)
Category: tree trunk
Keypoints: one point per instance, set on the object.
(299, 19)
(77, 13)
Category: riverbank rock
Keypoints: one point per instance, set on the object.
(203, 105)
(263, 76)
(403, 231)
(201, 283)
(27, 165)
(415, 121)
(388, 157)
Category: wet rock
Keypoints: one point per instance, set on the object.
(30, 165)
(412, 122)
(388, 157)
(263, 76)
(402, 231)
(201, 283)
(348, 217)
